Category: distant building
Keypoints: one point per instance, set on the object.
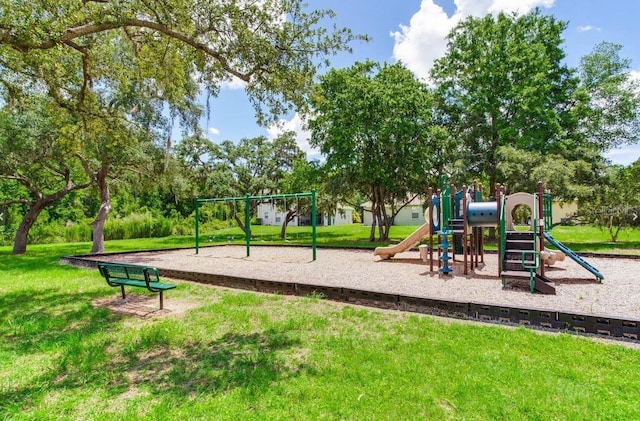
(563, 210)
(411, 214)
(269, 214)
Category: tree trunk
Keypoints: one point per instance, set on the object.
(37, 206)
(288, 218)
(387, 228)
(240, 223)
(385, 220)
(379, 222)
(20, 241)
(103, 212)
(383, 233)
(240, 218)
(372, 231)
(374, 216)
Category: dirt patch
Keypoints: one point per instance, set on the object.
(145, 306)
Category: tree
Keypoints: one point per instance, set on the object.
(376, 127)
(124, 64)
(604, 114)
(615, 203)
(567, 179)
(610, 116)
(256, 166)
(253, 166)
(303, 177)
(38, 150)
(502, 82)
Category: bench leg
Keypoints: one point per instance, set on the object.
(161, 302)
(122, 290)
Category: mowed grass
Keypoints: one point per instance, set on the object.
(577, 238)
(242, 355)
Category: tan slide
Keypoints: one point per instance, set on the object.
(411, 241)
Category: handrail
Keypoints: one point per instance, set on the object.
(532, 268)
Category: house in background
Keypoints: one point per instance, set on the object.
(411, 214)
(269, 214)
(562, 211)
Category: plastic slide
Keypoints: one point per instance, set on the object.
(413, 239)
(574, 256)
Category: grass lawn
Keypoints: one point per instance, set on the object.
(242, 355)
(577, 238)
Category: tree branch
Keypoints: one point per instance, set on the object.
(86, 77)
(25, 182)
(6, 37)
(16, 202)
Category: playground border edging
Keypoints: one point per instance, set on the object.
(586, 324)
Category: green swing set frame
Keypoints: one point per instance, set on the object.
(247, 214)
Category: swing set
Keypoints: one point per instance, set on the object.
(247, 214)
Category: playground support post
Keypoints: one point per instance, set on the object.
(480, 229)
(197, 227)
(314, 214)
(501, 224)
(465, 253)
(247, 222)
(540, 193)
(440, 215)
(430, 204)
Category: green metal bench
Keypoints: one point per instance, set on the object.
(122, 274)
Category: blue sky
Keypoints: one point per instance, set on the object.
(413, 31)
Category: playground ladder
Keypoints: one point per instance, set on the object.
(514, 266)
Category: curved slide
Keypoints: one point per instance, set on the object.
(413, 239)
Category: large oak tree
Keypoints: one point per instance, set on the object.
(119, 66)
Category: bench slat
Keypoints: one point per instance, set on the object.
(137, 283)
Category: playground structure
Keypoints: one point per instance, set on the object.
(246, 201)
(463, 215)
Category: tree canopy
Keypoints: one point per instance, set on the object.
(127, 70)
(611, 115)
(375, 125)
(502, 82)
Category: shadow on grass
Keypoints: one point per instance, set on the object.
(39, 321)
(236, 360)
(87, 348)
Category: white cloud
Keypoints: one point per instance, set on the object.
(297, 125)
(423, 41)
(420, 43)
(214, 131)
(586, 28)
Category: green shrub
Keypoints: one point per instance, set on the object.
(137, 226)
(78, 231)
